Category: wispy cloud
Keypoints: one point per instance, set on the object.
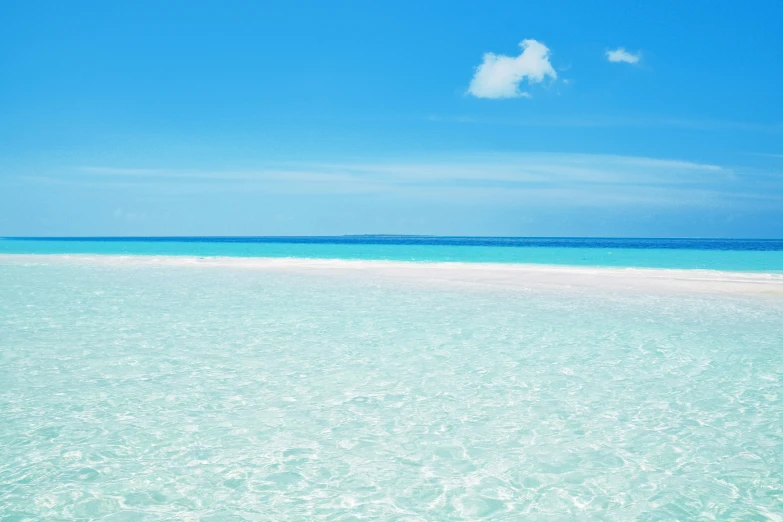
(529, 179)
(500, 76)
(620, 55)
(630, 121)
(538, 167)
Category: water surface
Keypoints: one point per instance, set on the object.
(716, 254)
(133, 392)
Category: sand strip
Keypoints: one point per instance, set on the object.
(510, 276)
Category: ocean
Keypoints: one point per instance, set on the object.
(715, 254)
(391, 378)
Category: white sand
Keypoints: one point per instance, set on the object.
(497, 275)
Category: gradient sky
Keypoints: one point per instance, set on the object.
(405, 117)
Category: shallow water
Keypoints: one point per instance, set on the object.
(743, 255)
(200, 393)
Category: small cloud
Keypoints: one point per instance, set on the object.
(620, 55)
(499, 76)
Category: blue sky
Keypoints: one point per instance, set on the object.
(473, 118)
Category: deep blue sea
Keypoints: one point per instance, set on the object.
(717, 254)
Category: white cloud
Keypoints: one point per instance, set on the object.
(499, 76)
(621, 55)
(522, 178)
(497, 167)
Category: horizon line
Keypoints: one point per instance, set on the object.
(328, 236)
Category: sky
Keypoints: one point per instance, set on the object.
(579, 118)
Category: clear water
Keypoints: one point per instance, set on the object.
(194, 393)
(716, 254)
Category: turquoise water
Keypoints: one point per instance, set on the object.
(716, 254)
(132, 392)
